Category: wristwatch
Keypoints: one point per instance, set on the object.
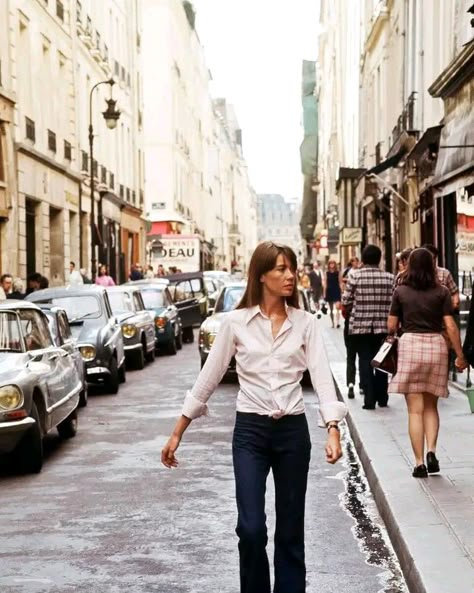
(333, 425)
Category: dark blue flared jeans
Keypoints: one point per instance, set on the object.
(259, 444)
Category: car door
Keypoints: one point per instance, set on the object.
(200, 292)
(52, 364)
(171, 310)
(113, 332)
(68, 344)
(144, 319)
(186, 303)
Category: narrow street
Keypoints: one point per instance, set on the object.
(105, 517)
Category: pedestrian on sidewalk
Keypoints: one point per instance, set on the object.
(273, 342)
(445, 277)
(402, 265)
(317, 285)
(103, 278)
(368, 295)
(332, 292)
(422, 305)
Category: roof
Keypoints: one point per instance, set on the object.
(184, 276)
(64, 291)
(17, 304)
(123, 288)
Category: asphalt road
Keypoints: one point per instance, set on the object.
(105, 517)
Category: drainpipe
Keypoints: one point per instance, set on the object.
(81, 260)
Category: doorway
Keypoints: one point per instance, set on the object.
(56, 245)
(30, 209)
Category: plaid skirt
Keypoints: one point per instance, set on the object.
(422, 365)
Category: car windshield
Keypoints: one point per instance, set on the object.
(79, 308)
(10, 340)
(229, 299)
(153, 299)
(120, 302)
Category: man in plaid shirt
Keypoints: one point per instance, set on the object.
(368, 296)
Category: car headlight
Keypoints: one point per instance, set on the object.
(161, 322)
(10, 397)
(87, 353)
(129, 330)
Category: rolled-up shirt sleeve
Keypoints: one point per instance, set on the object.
(330, 408)
(220, 355)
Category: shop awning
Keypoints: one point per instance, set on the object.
(430, 137)
(387, 164)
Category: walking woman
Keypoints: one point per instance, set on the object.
(103, 278)
(423, 306)
(333, 291)
(273, 342)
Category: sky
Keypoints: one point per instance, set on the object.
(254, 49)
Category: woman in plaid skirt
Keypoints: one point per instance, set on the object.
(423, 309)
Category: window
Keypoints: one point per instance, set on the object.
(122, 73)
(154, 299)
(95, 168)
(35, 330)
(51, 141)
(84, 161)
(10, 339)
(111, 180)
(116, 68)
(134, 197)
(97, 40)
(121, 191)
(67, 150)
(197, 287)
(64, 329)
(78, 308)
(78, 12)
(60, 10)
(105, 55)
(2, 166)
(30, 129)
(103, 174)
(137, 302)
(89, 25)
(129, 80)
(128, 194)
(120, 302)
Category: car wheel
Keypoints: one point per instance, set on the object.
(29, 452)
(140, 359)
(68, 427)
(114, 379)
(188, 335)
(150, 357)
(122, 372)
(83, 396)
(172, 349)
(179, 340)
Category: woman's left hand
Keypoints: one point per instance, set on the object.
(333, 447)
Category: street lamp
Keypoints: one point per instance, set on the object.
(111, 116)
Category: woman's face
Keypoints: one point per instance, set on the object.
(332, 266)
(280, 281)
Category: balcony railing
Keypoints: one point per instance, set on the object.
(406, 120)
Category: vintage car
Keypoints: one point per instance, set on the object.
(228, 298)
(190, 296)
(94, 328)
(138, 328)
(212, 288)
(168, 326)
(62, 338)
(39, 385)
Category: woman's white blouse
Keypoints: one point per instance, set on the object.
(269, 369)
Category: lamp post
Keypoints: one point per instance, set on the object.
(111, 116)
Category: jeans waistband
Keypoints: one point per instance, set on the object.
(264, 420)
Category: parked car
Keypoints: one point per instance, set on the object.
(62, 338)
(212, 287)
(168, 326)
(190, 297)
(39, 385)
(138, 329)
(94, 328)
(229, 297)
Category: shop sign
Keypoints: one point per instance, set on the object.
(351, 236)
(177, 251)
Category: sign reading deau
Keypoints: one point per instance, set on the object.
(351, 236)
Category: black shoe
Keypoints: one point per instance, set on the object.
(432, 463)
(383, 405)
(350, 392)
(364, 407)
(420, 471)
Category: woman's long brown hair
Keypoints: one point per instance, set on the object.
(262, 261)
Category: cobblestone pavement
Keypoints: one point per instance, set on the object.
(105, 517)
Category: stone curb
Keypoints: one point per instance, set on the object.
(407, 563)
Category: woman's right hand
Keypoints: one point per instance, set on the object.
(168, 458)
(461, 363)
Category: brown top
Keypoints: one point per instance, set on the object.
(421, 311)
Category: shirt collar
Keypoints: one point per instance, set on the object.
(254, 311)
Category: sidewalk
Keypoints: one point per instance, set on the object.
(430, 521)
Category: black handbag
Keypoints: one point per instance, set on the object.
(386, 358)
